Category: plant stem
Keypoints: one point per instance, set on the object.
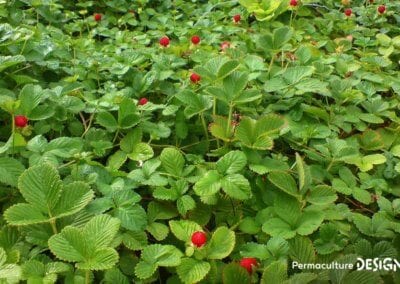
(205, 128)
(228, 126)
(53, 226)
(87, 277)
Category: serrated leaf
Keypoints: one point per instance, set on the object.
(10, 170)
(184, 229)
(321, 195)
(234, 273)
(133, 217)
(209, 184)
(274, 273)
(185, 204)
(227, 68)
(172, 161)
(302, 250)
(144, 270)
(236, 186)
(24, 214)
(232, 162)
(74, 197)
(134, 240)
(221, 243)
(284, 182)
(162, 255)
(192, 270)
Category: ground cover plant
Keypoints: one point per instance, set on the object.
(198, 141)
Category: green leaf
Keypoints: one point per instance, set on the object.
(284, 182)
(276, 272)
(10, 170)
(256, 250)
(133, 217)
(30, 97)
(41, 186)
(209, 184)
(184, 229)
(234, 273)
(232, 162)
(218, 129)
(221, 243)
(107, 120)
(192, 270)
(141, 152)
(102, 259)
(114, 275)
(24, 214)
(281, 36)
(172, 161)
(135, 240)
(185, 204)
(227, 68)
(276, 227)
(302, 250)
(293, 75)
(236, 186)
(8, 61)
(162, 255)
(144, 270)
(321, 195)
(158, 231)
(309, 222)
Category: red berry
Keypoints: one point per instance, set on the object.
(236, 18)
(348, 12)
(381, 9)
(20, 120)
(293, 3)
(164, 41)
(195, 78)
(248, 263)
(225, 45)
(143, 101)
(97, 17)
(199, 238)
(195, 39)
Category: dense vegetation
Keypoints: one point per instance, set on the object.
(179, 141)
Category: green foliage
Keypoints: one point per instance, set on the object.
(286, 149)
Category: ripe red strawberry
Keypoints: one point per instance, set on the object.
(195, 39)
(293, 3)
(20, 121)
(97, 17)
(248, 263)
(225, 45)
(164, 41)
(143, 101)
(236, 18)
(381, 9)
(199, 238)
(348, 12)
(195, 78)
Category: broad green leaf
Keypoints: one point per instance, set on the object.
(158, 230)
(192, 270)
(131, 139)
(293, 75)
(236, 186)
(41, 186)
(141, 152)
(30, 97)
(162, 255)
(227, 68)
(276, 272)
(10, 170)
(69, 245)
(107, 120)
(234, 273)
(184, 229)
(281, 36)
(114, 275)
(101, 230)
(144, 270)
(284, 182)
(8, 61)
(185, 204)
(209, 184)
(329, 240)
(135, 240)
(221, 243)
(172, 161)
(133, 217)
(24, 214)
(276, 227)
(232, 162)
(220, 129)
(321, 194)
(302, 250)
(104, 258)
(256, 250)
(309, 222)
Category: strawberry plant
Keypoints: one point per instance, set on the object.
(199, 141)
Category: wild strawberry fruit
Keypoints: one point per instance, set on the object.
(195, 78)
(199, 239)
(248, 263)
(293, 3)
(225, 45)
(143, 101)
(97, 17)
(381, 9)
(164, 41)
(20, 121)
(195, 39)
(236, 18)
(348, 12)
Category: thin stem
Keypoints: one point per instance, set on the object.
(228, 126)
(205, 128)
(87, 276)
(53, 225)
